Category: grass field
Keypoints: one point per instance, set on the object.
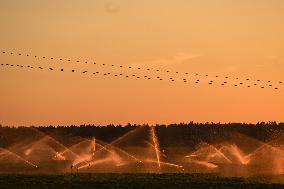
(143, 181)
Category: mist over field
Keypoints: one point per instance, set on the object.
(226, 149)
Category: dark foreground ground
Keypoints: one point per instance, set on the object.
(144, 181)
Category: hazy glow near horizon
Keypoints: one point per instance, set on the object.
(241, 38)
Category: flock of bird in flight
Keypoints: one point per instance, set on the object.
(184, 79)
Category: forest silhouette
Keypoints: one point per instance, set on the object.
(188, 134)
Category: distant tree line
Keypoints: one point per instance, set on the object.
(168, 135)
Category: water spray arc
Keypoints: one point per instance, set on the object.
(156, 145)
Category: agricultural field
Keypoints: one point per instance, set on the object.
(142, 181)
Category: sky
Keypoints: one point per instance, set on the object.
(225, 38)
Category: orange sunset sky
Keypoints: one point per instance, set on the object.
(224, 38)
